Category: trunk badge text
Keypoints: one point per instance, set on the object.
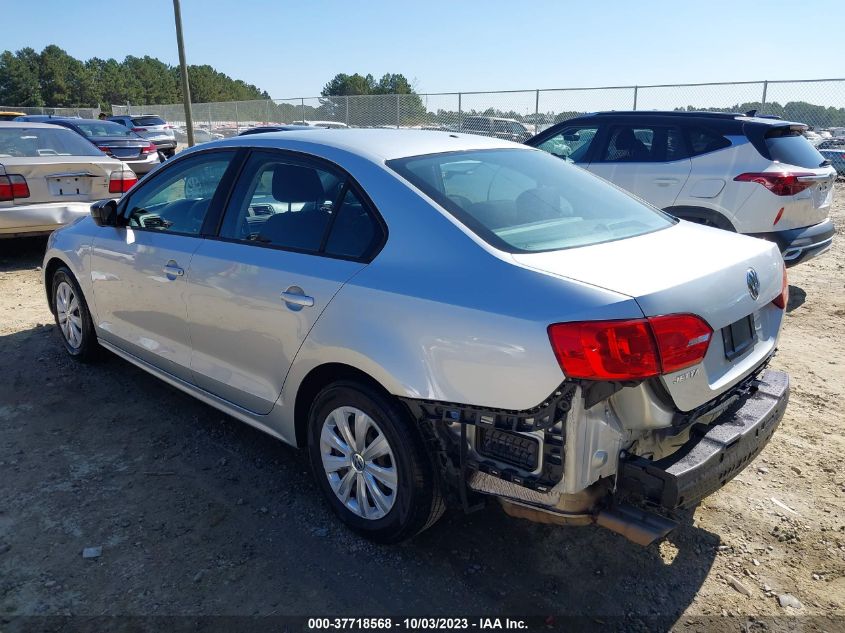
(753, 282)
(685, 376)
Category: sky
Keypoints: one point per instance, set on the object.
(291, 49)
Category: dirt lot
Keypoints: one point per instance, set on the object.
(198, 514)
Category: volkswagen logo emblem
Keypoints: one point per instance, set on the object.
(753, 282)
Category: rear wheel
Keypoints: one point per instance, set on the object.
(371, 464)
(73, 318)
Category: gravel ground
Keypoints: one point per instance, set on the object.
(197, 514)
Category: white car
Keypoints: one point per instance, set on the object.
(50, 175)
(430, 313)
(747, 174)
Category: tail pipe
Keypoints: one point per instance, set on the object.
(639, 526)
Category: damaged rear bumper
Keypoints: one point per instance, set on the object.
(715, 454)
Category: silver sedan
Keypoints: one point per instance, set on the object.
(438, 316)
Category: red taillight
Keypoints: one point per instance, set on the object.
(630, 350)
(13, 186)
(783, 298)
(139, 129)
(609, 350)
(778, 182)
(121, 181)
(682, 340)
(150, 149)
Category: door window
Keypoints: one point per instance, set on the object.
(652, 144)
(177, 199)
(571, 143)
(294, 205)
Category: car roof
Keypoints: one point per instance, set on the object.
(32, 125)
(373, 144)
(692, 114)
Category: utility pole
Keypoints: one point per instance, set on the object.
(183, 67)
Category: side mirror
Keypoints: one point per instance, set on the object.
(104, 212)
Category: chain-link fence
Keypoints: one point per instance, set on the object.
(514, 114)
(85, 113)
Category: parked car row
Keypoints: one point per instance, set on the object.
(260, 265)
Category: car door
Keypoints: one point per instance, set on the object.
(139, 271)
(294, 231)
(648, 160)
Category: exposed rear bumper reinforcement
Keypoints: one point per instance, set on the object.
(715, 456)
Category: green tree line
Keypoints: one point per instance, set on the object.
(53, 78)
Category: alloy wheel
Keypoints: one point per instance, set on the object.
(358, 462)
(68, 314)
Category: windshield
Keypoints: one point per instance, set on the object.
(791, 148)
(148, 120)
(94, 129)
(52, 141)
(526, 201)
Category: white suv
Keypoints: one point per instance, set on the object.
(742, 173)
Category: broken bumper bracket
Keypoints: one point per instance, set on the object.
(716, 456)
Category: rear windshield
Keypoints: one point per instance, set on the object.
(523, 201)
(94, 129)
(53, 141)
(148, 120)
(791, 148)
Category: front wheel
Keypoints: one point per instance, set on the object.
(73, 318)
(370, 463)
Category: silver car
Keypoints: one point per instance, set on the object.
(439, 317)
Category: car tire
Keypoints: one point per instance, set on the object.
(73, 319)
(388, 464)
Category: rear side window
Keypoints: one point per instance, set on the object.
(791, 148)
(703, 141)
(148, 120)
(294, 205)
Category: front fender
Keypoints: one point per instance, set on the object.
(71, 247)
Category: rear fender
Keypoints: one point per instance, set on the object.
(702, 215)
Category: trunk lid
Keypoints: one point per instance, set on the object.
(63, 178)
(121, 147)
(687, 268)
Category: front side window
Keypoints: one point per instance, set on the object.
(571, 143)
(294, 205)
(178, 198)
(628, 144)
(526, 201)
